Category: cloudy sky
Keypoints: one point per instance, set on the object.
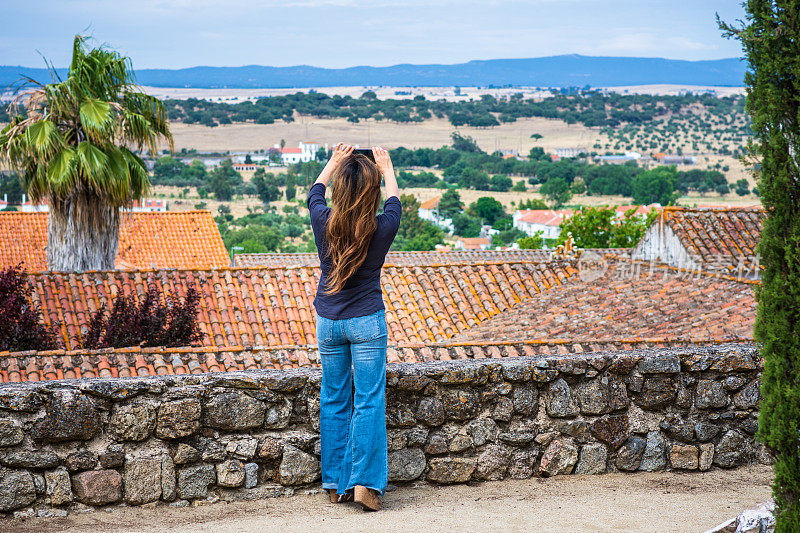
(342, 33)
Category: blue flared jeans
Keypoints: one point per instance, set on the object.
(353, 402)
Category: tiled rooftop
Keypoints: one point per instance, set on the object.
(718, 239)
(269, 306)
(130, 362)
(400, 258)
(630, 300)
(183, 239)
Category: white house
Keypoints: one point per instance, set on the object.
(545, 220)
(429, 210)
(306, 151)
(716, 240)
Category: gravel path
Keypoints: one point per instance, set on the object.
(664, 501)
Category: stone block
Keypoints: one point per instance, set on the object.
(482, 430)
(178, 418)
(629, 456)
(684, 456)
(298, 467)
(142, 480)
(111, 459)
(524, 399)
(657, 392)
(461, 404)
(654, 456)
(36, 459)
(447, 470)
(132, 422)
(10, 433)
(523, 462)
(406, 465)
(69, 415)
(430, 411)
(233, 411)
(559, 458)
(592, 459)
(710, 394)
(730, 450)
(82, 460)
(168, 480)
(193, 481)
(250, 475)
(58, 486)
(185, 454)
(230, 473)
(278, 416)
(97, 487)
(706, 456)
(459, 443)
(559, 401)
(269, 448)
(503, 410)
(17, 489)
(613, 430)
(493, 463)
(660, 364)
(243, 448)
(749, 396)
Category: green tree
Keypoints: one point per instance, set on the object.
(465, 225)
(450, 204)
(533, 203)
(599, 227)
(532, 242)
(487, 208)
(772, 45)
(657, 185)
(742, 187)
(76, 148)
(415, 233)
(465, 143)
(557, 191)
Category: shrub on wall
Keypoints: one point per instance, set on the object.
(151, 321)
(21, 325)
(772, 45)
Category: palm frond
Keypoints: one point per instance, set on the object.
(93, 166)
(96, 118)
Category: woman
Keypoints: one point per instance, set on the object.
(351, 324)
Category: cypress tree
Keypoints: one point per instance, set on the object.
(770, 37)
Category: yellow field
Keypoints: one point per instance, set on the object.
(433, 133)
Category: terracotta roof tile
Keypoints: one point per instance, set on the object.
(717, 239)
(274, 306)
(630, 300)
(181, 239)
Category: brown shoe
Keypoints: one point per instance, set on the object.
(368, 498)
(339, 498)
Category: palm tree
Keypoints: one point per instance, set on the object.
(75, 149)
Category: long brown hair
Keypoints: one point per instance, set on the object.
(355, 195)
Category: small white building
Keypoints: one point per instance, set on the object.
(716, 240)
(306, 151)
(429, 210)
(548, 221)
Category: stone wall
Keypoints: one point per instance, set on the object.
(74, 444)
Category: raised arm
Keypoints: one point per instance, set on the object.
(339, 154)
(384, 163)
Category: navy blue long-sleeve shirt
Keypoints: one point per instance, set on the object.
(361, 294)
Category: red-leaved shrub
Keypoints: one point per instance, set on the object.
(151, 321)
(21, 326)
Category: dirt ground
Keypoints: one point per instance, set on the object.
(664, 501)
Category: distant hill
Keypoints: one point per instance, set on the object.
(555, 71)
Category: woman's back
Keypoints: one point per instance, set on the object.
(361, 294)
